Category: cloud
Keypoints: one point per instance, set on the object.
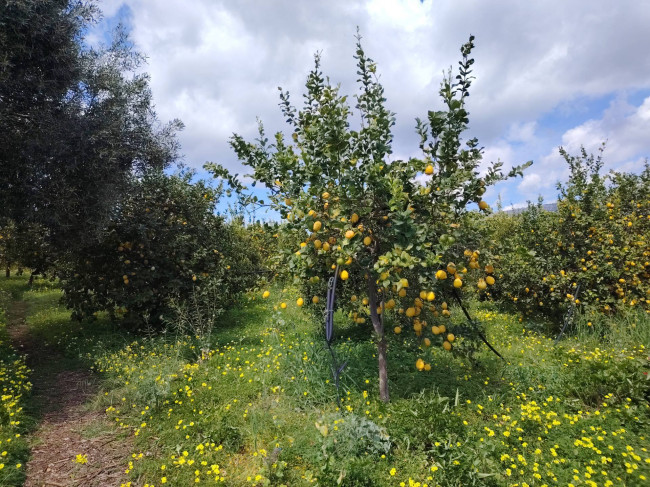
(216, 65)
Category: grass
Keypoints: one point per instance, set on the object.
(255, 404)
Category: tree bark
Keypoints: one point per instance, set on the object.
(382, 347)
(7, 272)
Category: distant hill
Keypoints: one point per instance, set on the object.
(545, 206)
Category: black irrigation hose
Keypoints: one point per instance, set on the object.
(469, 318)
(567, 317)
(329, 332)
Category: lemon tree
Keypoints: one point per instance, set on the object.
(593, 252)
(163, 244)
(391, 227)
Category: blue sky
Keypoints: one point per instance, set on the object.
(548, 73)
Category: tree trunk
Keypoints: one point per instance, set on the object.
(31, 279)
(7, 272)
(382, 347)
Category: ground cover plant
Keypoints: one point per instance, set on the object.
(14, 389)
(258, 407)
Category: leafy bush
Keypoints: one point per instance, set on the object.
(163, 244)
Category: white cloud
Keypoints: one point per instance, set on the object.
(216, 65)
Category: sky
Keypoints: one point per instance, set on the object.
(548, 74)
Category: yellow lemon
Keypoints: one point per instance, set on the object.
(441, 275)
(419, 364)
(446, 345)
(367, 241)
(266, 294)
(283, 305)
(344, 275)
(349, 234)
(410, 312)
(315, 300)
(397, 330)
(325, 195)
(431, 296)
(482, 205)
(300, 302)
(451, 337)
(490, 280)
(458, 283)
(429, 170)
(318, 244)
(326, 247)
(354, 218)
(317, 226)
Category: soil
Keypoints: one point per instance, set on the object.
(69, 425)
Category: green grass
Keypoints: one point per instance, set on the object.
(254, 404)
(262, 406)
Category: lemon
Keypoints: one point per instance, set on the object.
(451, 337)
(442, 328)
(353, 299)
(490, 280)
(451, 268)
(489, 269)
(431, 296)
(410, 312)
(325, 195)
(481, 284)
(344, 275)
(367, 241)
(397, 330)
(427, 342)
(364, 301)
(402, 293)
(435, 330)
(300, 302)
(446, 345)
(427, 367)
(283, 305)
(458, 283)
(429, 170)
(419, 364)
(317, 226)
(441, 275)
(354, 218)
(318, 244)
(266, 294)
(326, 247)
(423, 295)
(482, 205)
(315, 299)
(349, 234)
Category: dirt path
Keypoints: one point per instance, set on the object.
(68, 427)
